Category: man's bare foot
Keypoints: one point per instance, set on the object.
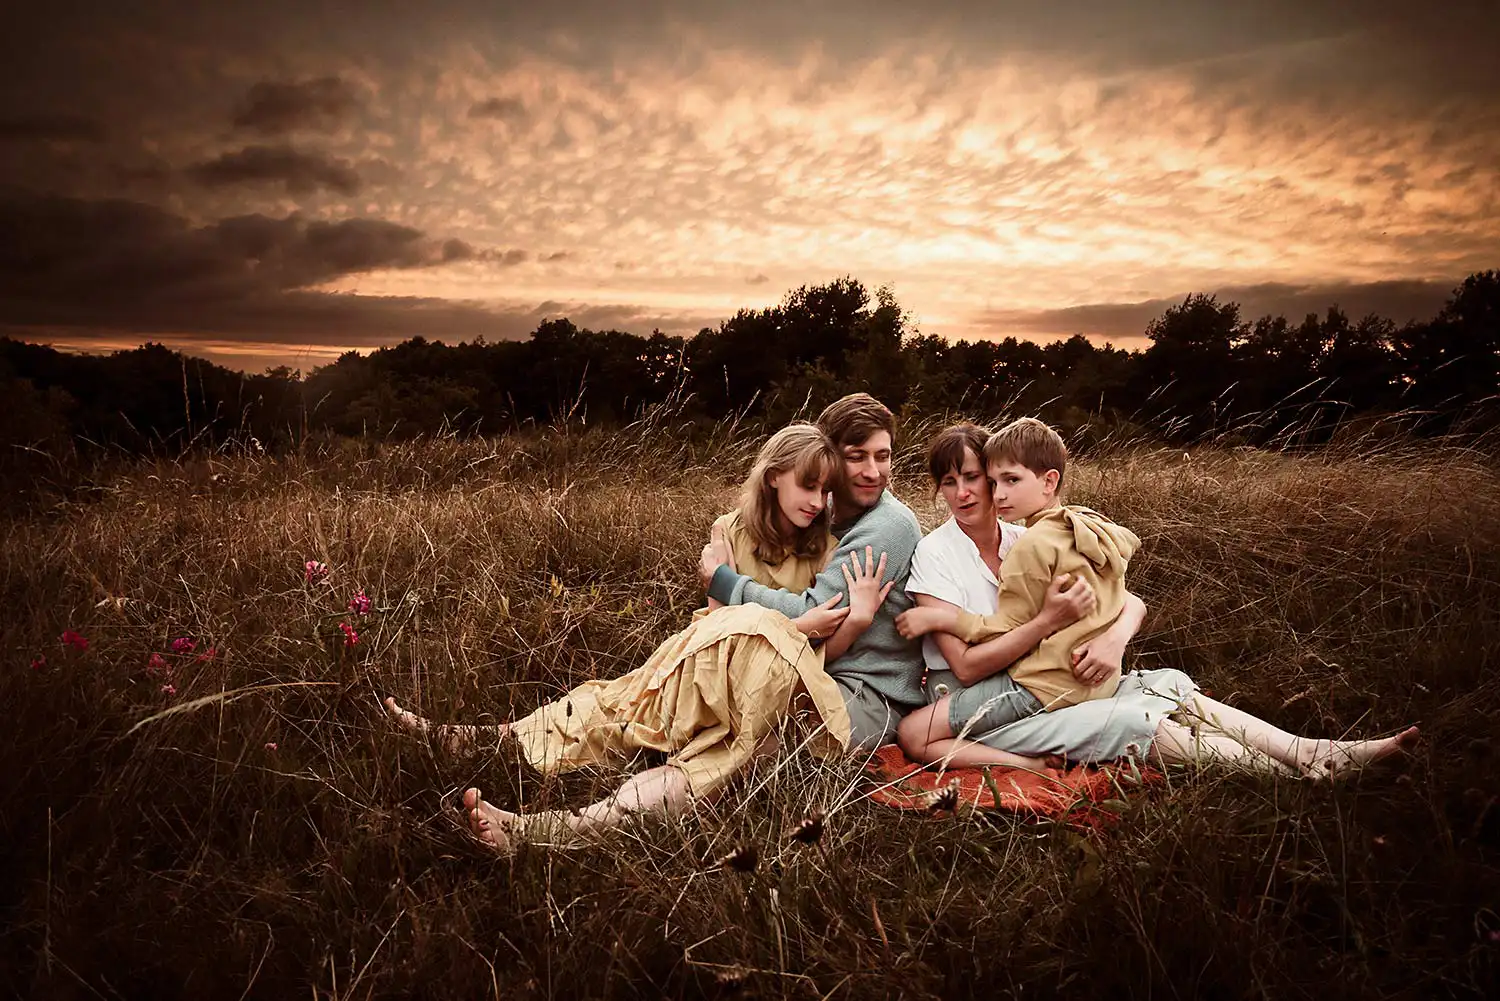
(455, 738)
(1334, 759)
(487, 823)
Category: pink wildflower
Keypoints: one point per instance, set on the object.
(169, 689)
(360, 603)
(183, 645)
(207, 655)
(350, 636)
(72, 639)
(38, 662)
(313, 571)
(157, 666)
(270, 745)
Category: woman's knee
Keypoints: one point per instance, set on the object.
(922, 726)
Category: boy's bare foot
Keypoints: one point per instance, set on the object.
(456, 738)
(487, 823)
(1335, 759)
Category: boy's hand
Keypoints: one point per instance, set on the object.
(1068, 600)
(1098, 660)
(916, 622)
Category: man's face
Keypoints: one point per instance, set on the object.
(867, 471)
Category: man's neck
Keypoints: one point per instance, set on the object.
(846, 512)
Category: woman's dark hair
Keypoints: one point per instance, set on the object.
(945, 452)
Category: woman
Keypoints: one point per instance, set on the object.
(1157, 712)
(718, 691)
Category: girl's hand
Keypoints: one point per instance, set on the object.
(720, 543)
(866, 594)
(823, 621)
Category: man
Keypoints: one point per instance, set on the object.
(880, 675)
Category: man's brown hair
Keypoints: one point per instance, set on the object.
(945, 452)
(1028, 442)
(852, 419)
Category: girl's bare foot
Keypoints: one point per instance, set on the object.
(456, 739)
(1334, 759)
(487, 823)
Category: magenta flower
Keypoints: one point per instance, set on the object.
(207, 655)
(169, 689)
(350, 636)
(360, 603)
(270, 745)
(183, 645)
(38, 662)
(313, 571)
(157, 666)
(72, 639)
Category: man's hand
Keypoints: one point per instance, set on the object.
(1068, 600)
(866, 594)
(1098, 660)
(718, 553)
(823, 621)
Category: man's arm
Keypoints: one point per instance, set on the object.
(892, 537)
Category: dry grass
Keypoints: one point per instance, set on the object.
(1352, 590)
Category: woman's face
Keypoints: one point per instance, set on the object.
(800, 502)
(967, 492)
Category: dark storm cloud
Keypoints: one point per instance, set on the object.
(128, 265)
(506, 109)
(1396, 300)
(300, 172)
(43, 128)
(275, 108)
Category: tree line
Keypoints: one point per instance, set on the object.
(1208, 371)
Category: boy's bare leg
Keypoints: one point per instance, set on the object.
(1315, 758)
(455, 738)
(663, 789)
(926, 737)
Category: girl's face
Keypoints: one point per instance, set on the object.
(800, 501)
(967, 492)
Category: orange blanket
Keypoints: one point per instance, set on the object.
(1083, 796)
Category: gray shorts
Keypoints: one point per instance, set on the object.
(872, 717)
(988, 704)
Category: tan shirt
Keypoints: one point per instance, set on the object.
(1060, 540)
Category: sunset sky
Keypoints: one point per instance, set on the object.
(284, 181)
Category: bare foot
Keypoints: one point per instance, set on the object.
(455, 738)
(487, 823)
(1334, 759)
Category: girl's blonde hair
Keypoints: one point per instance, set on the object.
(810, 455)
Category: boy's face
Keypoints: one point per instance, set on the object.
(1020, 493)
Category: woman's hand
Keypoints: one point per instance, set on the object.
(865, 590)
(1068, 600)
(823, 621)
(1097, 660)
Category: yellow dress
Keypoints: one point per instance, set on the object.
(707, 696)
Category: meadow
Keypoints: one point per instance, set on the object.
(200, 798)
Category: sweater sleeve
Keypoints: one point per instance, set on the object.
(883, 529)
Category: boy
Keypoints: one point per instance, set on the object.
(1026, 461)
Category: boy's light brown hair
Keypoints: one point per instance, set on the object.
(1028, 442)
(852, 419)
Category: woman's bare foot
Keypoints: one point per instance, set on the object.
(487, 823)
(1333, 759)
(456, 738)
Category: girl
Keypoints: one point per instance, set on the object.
(714, 694)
